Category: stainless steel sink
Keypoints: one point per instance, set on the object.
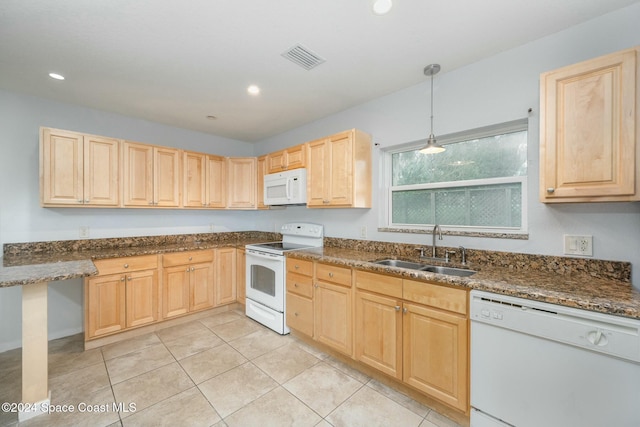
(451, 271)
(398, 263)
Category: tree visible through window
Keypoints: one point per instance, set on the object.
(476, 182)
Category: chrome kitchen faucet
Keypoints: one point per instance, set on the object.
(436, 229)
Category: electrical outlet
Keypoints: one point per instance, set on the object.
(212, 228)
(363, 231)
(578, 245)
(83, 232)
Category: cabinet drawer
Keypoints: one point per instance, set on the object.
(125, 264)
(301, 285)
(436, 296)
(386, 285)
(300, 313)
(300, 266)
(333, 274)
(181, 258)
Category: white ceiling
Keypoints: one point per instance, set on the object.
(175, 62)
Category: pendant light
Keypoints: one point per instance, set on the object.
(432, 146)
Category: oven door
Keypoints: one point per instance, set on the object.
(265, 278)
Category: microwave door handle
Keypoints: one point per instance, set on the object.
(288, 188)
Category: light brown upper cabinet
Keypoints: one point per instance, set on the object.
(261, 172)
(589, 144)
(339, 171)
(204, 180)
(287, 159)
(151, 175)
(242, 182)
(78, 169)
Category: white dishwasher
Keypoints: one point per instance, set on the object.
(535, 364)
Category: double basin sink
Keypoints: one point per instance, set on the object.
(451, 271)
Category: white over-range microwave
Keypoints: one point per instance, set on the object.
(286, 188)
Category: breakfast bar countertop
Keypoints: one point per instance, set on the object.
(573, 289)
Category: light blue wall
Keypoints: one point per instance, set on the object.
(497, 89)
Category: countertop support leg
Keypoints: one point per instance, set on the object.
(35, 350)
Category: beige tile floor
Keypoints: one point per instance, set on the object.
(222, 370)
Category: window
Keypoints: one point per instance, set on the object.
(477, 184)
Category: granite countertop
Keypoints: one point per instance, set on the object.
(573, 289)
(29, 268)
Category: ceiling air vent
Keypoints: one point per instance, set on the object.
(303, 57)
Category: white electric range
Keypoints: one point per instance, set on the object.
(265, 269)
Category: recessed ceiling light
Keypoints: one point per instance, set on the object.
(380, 7)
(56, 76)
(211, 117)
(253, 90)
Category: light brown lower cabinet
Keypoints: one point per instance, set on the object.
(299, 296)
(124, 295)
(379, 332)
(416, 332)
(241, 276)
(225, 276)
(435, 354)
(333, 307)
(187, 282)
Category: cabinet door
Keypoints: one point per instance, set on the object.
(242, 182)
(194, 179)
(588, 136)
(241, 276)
(216, 182)
(166, 177)
(277, 161)
(318, 173)
(175, 291)
(261, 171)
(296, 157)
(435, 354)
(378, 332)
(225, 283)
(138, 174)
(332, 312)
(105, 296)
(61, 167)
(101, 171)
(300, 313)
(142, 298)
(341, 170)
(201, 286)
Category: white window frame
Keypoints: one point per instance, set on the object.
(515, 126)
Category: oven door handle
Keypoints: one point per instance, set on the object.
(271, 257)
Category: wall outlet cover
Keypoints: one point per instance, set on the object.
(578, 245)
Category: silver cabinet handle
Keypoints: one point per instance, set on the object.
(551, 190)
(295, 285)
(330, 274)
(397, 307)
(190, 258)
(404, 310)
(122, 279)
(126, 266)
(129, 278)
(295, 314)
(188, 269)
(193, 269)
(296, 267)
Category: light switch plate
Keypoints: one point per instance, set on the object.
(578, 245)
(83, 232)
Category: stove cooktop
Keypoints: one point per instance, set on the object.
(278, 246)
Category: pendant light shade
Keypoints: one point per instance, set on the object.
(432, 146)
